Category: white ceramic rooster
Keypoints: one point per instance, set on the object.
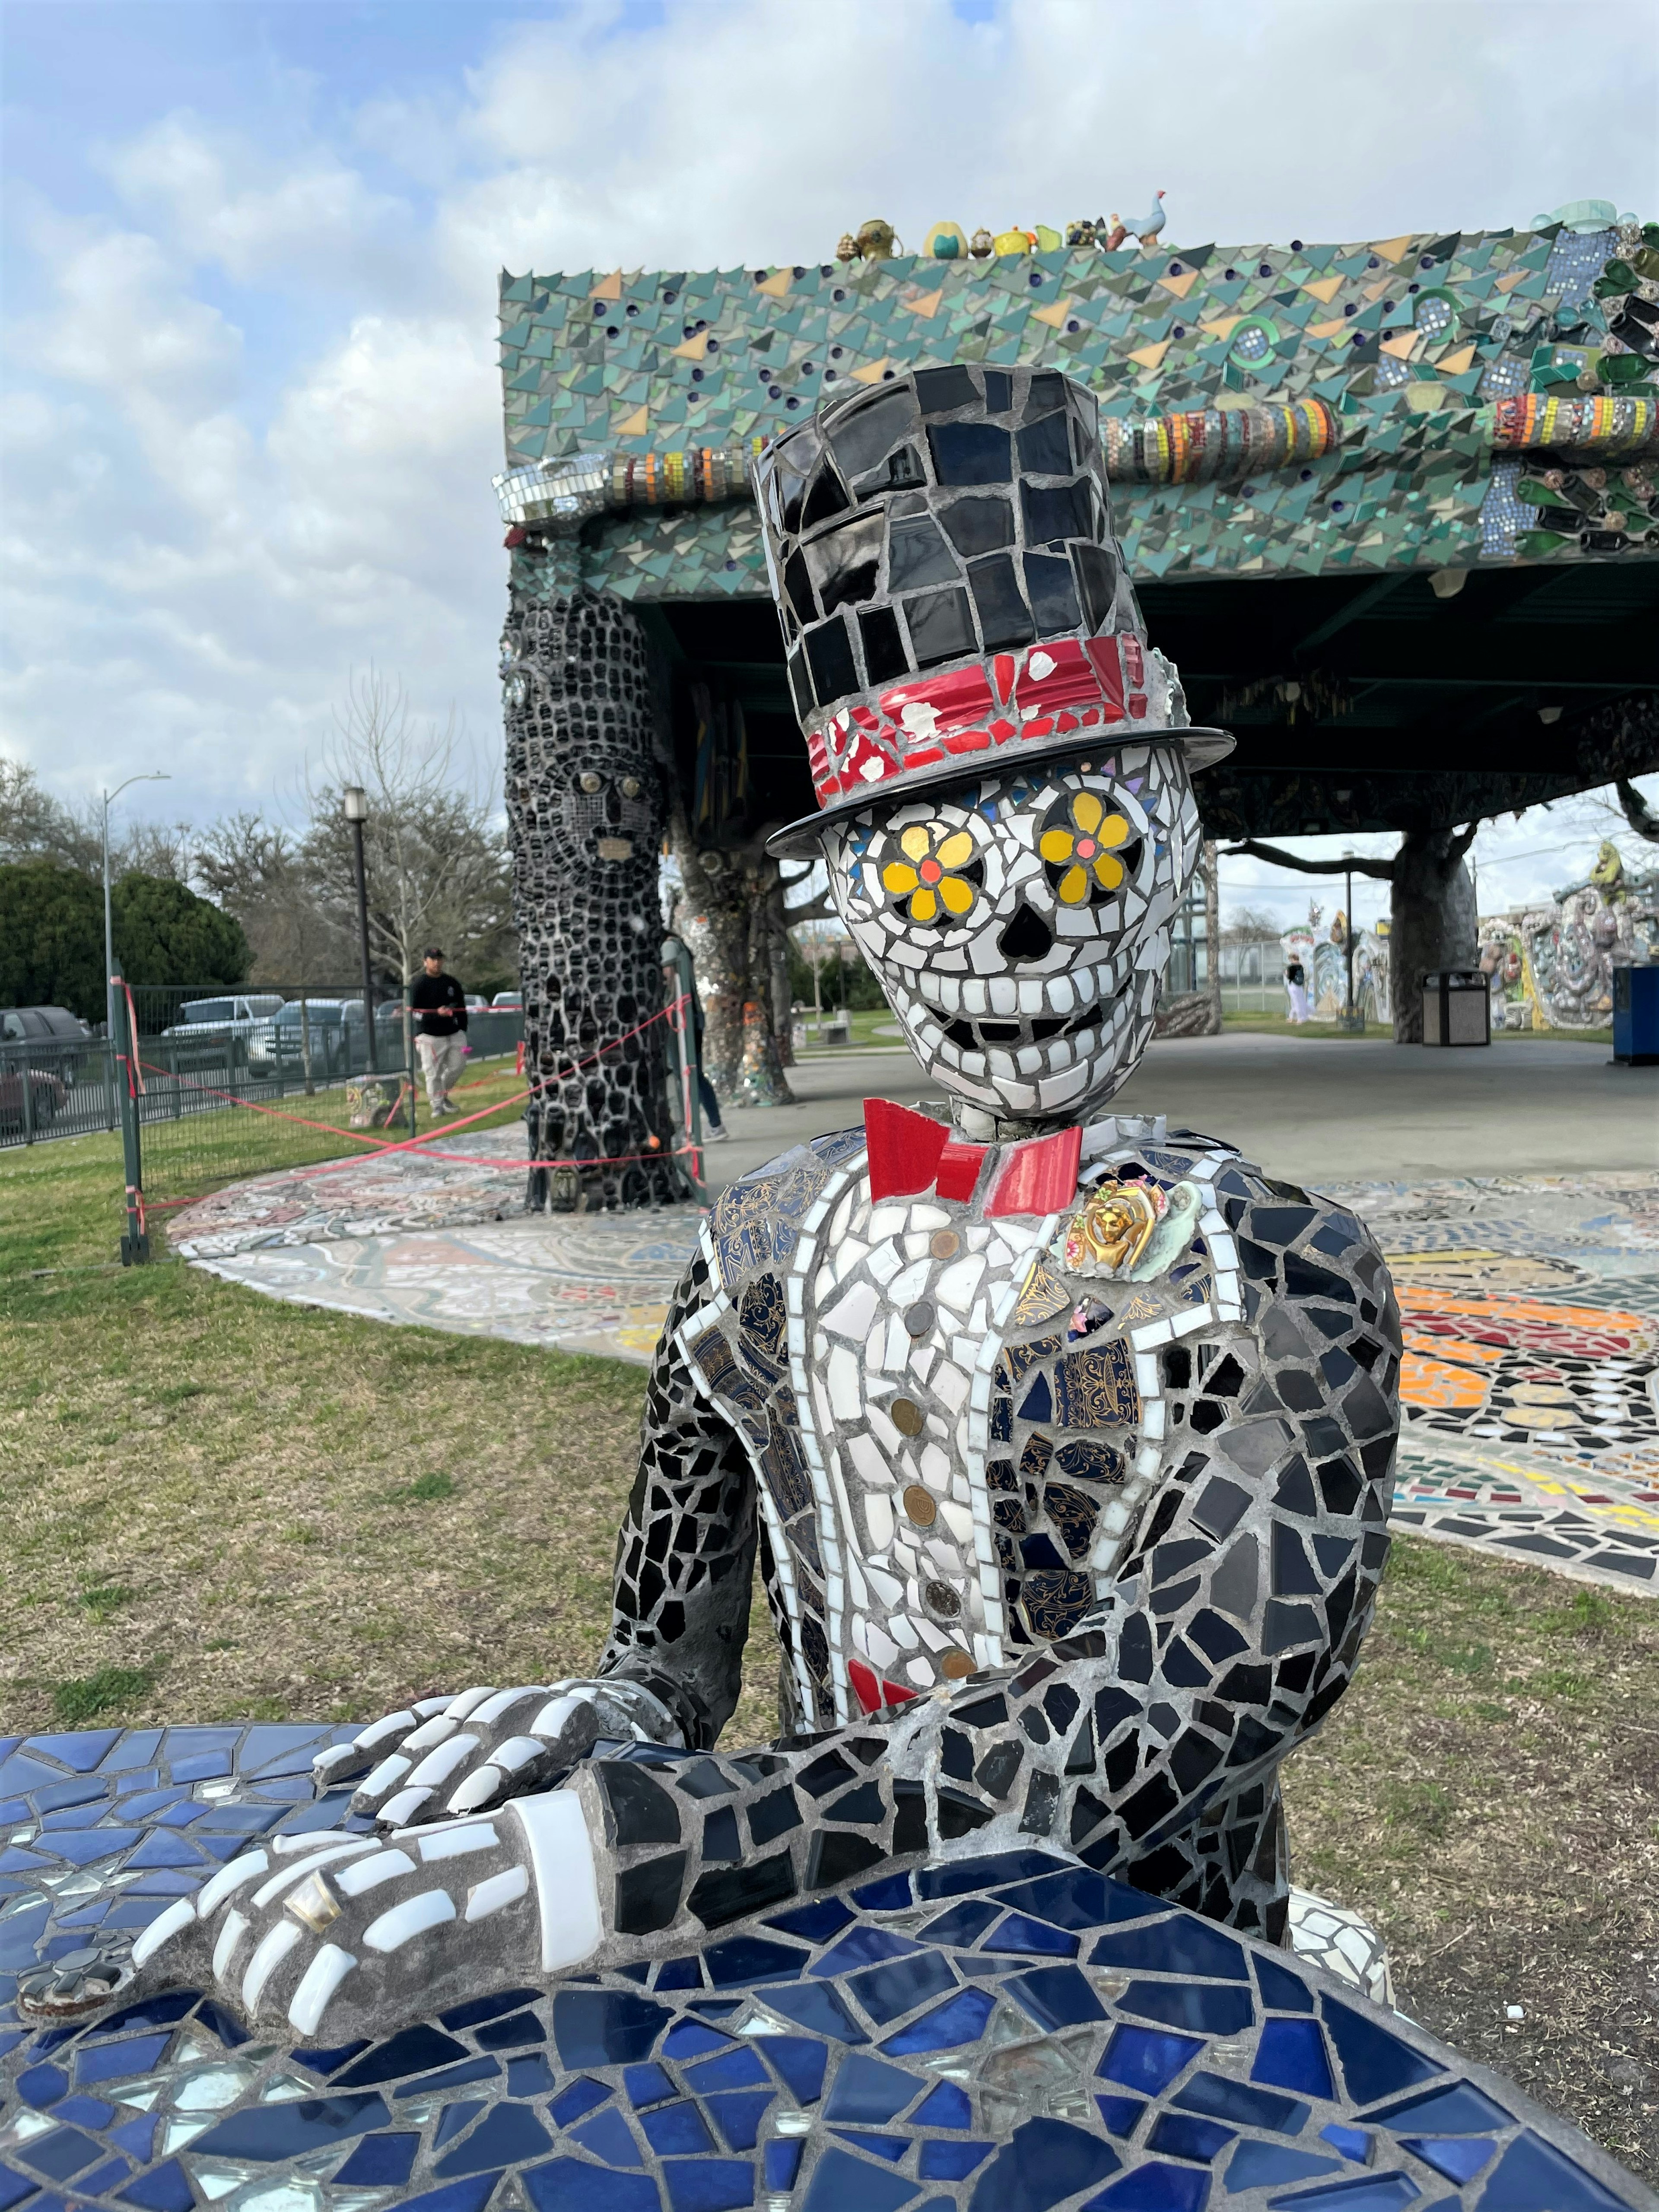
(1145, 230)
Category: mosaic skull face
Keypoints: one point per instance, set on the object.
(1020, 926)
(600, 799)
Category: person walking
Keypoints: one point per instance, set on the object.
(714, 1130)
(1296, 986)
(439, 1004)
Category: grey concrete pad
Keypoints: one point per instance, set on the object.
(1318, 1110)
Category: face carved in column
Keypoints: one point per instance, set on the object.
(1020, 926)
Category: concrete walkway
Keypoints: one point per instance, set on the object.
(1515, 1190)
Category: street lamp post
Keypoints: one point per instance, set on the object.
(151, 776)
(356, 813)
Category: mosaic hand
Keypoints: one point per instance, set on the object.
(452, 1755)
(364, 1931)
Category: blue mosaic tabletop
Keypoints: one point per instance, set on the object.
(999, 2035)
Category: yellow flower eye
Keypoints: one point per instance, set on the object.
(956, 850)
(899, 878)
(1108, 873)
(1113, 831)
(914, 842)
(957, 895)
(1086, 810)
(924, 906)
(1055, 845)
(1073, 887)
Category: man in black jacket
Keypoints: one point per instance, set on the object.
(439, 1009)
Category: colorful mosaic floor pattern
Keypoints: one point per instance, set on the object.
(1009, 2033)
(1531, 1306)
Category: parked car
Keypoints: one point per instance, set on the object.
(507, 1002)
(280, 1043)
(476, 1003)
(238, 1014)
(53, 1032)
(46, 1092)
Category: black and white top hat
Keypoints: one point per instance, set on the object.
(941, 553)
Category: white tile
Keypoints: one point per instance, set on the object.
(1146, 1374)
(1158, 1332)
(851, 1315)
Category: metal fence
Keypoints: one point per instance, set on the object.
(51, 1088)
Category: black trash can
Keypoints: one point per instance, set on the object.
(1458, 1007)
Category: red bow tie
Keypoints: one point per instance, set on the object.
(909, 1153)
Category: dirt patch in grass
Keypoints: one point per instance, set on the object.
(1488, 1792)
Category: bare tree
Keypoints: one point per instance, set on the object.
(35, 826)
(1432, 924)
(436, 864)
(259, 873)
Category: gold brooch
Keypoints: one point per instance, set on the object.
(1113, 1228)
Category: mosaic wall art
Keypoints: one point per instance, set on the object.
(1408, 347)
(1552, 966)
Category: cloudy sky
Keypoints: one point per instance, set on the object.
(251, 246)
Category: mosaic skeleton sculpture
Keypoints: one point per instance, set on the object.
(1064, 1440)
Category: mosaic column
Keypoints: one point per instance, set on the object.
(585, 813)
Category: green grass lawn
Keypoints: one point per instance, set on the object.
(219, 1506)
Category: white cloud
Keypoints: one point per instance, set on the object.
(253, 407)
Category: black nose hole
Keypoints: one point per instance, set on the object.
(612, 805)
(1027, 937)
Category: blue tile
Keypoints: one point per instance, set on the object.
(200, 1766)
(868, 2089)
(646, 2084)
(137, 2137)
(1374, 2063)
(458, 2196)
(454, 2117)
(1376, 2192)
(891, 2147)
(1122, 2115)
(187, 1742)
(606, 2028)
(60, 2155)
(841, 2183)
(1019, 1932)
(529, 2075)
(608, 2136)
(1208, 2008)
(137, 1794)
(1043, 2162)
(579, 2096)
(962, 1924)
(1354, 2143)
(817, 1923)
(1078, 1898)
(42, 2086)
(225, 2025)
(676, 2130)
(679, 1974)
(84, 2113)
(737, 2114)
(379, 2162)
(1154, 2188)
(737, 2069)
(749, 1959)
(571, 2185)
(451, 2077)
(1292, 2055)
(1458, 2109)
(1281, 1989)
(79, 1752)
(959, 2020)
(475, 2011)
(282, 2131)
(948, 2105)
(166, 1881)
(411, 2050)
(19, 1935)
(14, 2187)
(512, 2033)
(113, 2062)
(1460, 2158)
(1145, 2058)
(801, 2061)
(956, 1877)
(136, 1748)
(1221, 2099)
(81, 1846)
(890, 1894)
(864, 1946)
(165, 2190)
(1533, 2176)
(147, 2012)
(1054, 1996)
(1274, 2165)
(15, 1860)
(86, 1792)
(885, 1992)
(506, 2135)
(690, 2039)
(21, 1773)
(161, 1848)
(1182, 2135)
(103, 2178)
(709, 2185)
(1182, 1945)
(950, 2162)
(818, 2005)
(781, 2161)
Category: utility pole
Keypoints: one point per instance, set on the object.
(356, 813)
(1348, 1020)
(150, 775)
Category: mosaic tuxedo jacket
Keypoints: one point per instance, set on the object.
(1050, 1551)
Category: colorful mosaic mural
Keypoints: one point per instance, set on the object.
(1266, 408)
